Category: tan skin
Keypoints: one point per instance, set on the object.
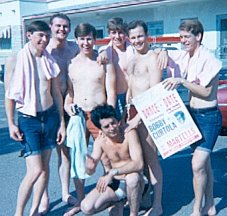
(200, 97)
(89, 84)
(125, 155)
(144, 73)
(63, 51)
(37, 165)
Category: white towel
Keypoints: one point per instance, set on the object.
(76, 141)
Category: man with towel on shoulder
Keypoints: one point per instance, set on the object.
(35, 92)
(198, 69)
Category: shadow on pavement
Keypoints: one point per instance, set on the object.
(219, 164)
(177, 182)
(7, 145)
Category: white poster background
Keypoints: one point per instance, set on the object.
(166, 119)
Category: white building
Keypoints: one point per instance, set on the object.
(162, 17)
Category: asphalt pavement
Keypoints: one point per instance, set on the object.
(177, 175)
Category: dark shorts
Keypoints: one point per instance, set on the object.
(40, 132)
(114, 184)
(120, 105)
(209, 122)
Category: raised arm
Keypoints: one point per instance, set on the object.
(195, 88)
(154, 70)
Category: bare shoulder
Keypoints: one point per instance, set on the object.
(100, 140)
(130, 135)
(152, 54)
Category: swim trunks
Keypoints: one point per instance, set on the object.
(40, 132)
(209, 122)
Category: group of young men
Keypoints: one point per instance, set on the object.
(48, 73)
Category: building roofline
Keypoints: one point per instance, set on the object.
(85, 8)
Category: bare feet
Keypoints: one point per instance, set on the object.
(44, 206)
(76, 209)
(70, 200)
(154, 212)
(209, 210)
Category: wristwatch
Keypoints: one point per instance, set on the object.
(114, 172)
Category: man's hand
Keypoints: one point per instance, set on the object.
(15, 133)
(68, 109)
(102, 58)
(90, 165)
(103, 183)
(133, 123)
(172, 83)
(61, 135)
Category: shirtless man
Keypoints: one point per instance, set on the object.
(89, 85)
(125, 155)
(199, 74)
(119, 51)
(35, 91)
(144, 73)
(63, 51)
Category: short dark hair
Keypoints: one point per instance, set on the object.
(102, 112)
(193, 26)
(136, 23)
(62, 16)
(38, 26)
(83, 29)
(116, 23)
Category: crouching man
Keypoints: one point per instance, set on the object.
(125, 155)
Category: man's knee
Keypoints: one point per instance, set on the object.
(34, 174)
(133, 179)
(86, 208)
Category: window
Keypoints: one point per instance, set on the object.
(100, 32)
(5, 37)
(155, 28)
(222, 28)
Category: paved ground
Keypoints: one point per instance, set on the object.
(177, 191)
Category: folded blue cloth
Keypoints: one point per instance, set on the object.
(76, 141)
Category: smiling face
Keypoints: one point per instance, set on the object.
(60, 28)
(118, 38)
(110, 127)
(39, 40)
(86, 44)
(189, 41)
(138, 39)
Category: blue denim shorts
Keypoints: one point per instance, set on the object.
(40, 132)
(209, 122)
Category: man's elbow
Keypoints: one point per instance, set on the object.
(140, 166)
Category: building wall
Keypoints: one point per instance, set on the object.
(11, 13)
(170, 13)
